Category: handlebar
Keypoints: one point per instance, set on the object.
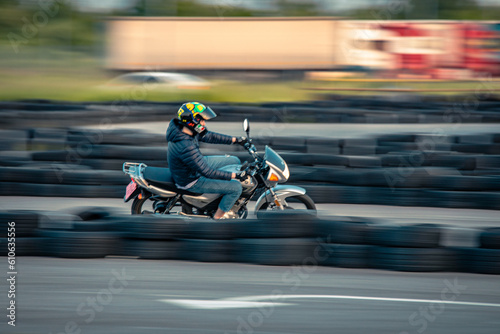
(244, 166)
(251, 167)
(250, 147)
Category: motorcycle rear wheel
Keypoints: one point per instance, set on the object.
(137, 204)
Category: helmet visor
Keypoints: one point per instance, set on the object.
(207, 114)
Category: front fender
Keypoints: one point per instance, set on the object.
(282, 192)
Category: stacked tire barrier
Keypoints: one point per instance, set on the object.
(486, 259)
(330, 109)
(283, 239)
(74, 163)
(344, 242)
(43, 154)
(454, 171)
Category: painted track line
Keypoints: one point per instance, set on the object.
(406, 300)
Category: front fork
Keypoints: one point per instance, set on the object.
(276, 200)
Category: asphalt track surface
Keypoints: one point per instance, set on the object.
(130, 296)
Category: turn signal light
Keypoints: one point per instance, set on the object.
(274, 177)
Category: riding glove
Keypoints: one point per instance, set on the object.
(241, 176)
(241, 141)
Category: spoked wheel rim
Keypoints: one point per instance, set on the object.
(144, 206)
(299, 202)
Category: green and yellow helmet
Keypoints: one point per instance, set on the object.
(191, 113)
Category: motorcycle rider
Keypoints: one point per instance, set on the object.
(193, 171)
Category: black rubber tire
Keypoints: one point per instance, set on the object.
(67, 190)
(132, 153)
(346, 256)
(364, 161)
(95, 219)
(414, 236)
(304, 199)
(73, 244)
(490, 238)
(325, 193)
(30, 174)
(96, 225)
(275, 252)
(152, 249)
(210, 229)
(344, 231)
(208, 250)
(94, 177)
(479, 260)
(152, 227)
(280, 224)
(413, 259)
(136, 208)
(92, 212)
(57, 221)
(31, 246)
(24, 222)
(69, 222)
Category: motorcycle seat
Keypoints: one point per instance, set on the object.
(162, 178)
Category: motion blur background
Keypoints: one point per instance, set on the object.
(386, 111)
(67, 50)
(391, 91)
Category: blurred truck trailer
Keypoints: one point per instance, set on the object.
(434, 49)
(174, 43)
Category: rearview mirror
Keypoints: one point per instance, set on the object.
(246, 126)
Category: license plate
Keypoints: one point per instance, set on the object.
(132, 186)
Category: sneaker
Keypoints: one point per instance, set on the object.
(228, 215)
(188, 215)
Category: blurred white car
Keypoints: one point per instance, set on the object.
(160, 80)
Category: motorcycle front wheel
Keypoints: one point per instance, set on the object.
(298, 202)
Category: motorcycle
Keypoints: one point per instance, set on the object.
(153, 190)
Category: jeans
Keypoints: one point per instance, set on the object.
(231, 189)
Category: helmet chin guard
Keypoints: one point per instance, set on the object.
(192, 113)
(198, 128)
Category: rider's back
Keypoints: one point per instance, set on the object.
(185, 160)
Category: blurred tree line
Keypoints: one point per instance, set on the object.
(59, 23)
(427, 10)
(46, 23)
